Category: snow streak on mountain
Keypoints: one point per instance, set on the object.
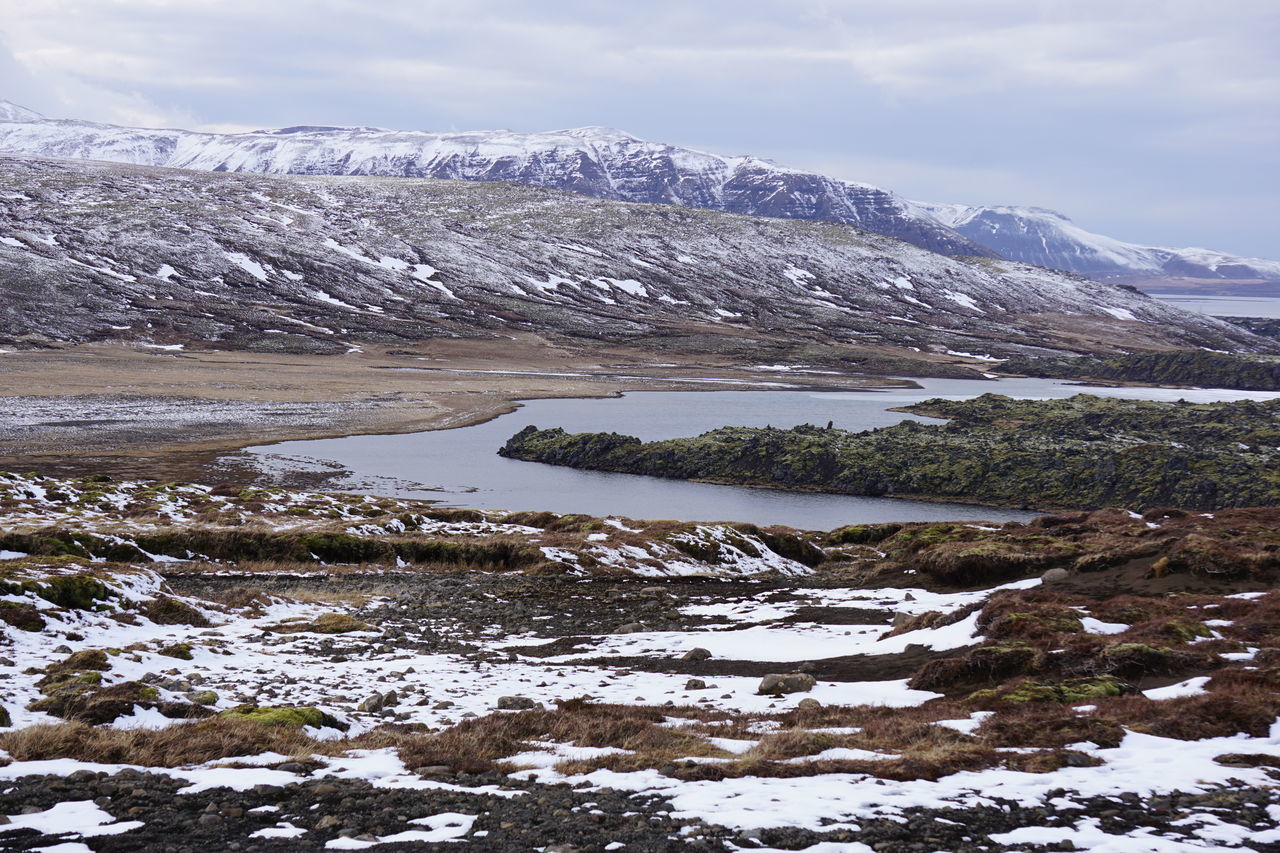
(102, 251)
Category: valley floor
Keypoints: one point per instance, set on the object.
(188, 668)
(168, 413)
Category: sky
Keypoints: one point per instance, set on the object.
(1153, 121)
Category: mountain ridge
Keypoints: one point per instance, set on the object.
(95, 251)
(610, 163)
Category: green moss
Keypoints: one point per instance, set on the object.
(1068, 692)
(325, 623)
(69, 682)
(182, 651)
(862, 534)
(95, 659)
(284, 717)
(206, 697)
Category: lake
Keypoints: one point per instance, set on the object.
(1225, 306)
(461, 467)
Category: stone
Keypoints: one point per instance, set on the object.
(776, 684)
(390, 698)
(696, 654)
(516, 703)
(631, 628)
(434, 770)
(328, 822)
(373, 704)
(695, 684)
(809, 704)
(1055, 576)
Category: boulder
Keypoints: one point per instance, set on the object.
(516, 703)
(696, 654)
(695, 684)
(1055, 576)
(373, 704)
(631, 628)
(777, 684)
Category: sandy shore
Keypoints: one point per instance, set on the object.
(147, 412)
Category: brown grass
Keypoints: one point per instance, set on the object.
(173, 746)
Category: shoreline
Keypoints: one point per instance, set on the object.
(153, 414)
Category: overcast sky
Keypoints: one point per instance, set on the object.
(1156, 121)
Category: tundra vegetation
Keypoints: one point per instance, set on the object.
(258, 654)
(1203, 368)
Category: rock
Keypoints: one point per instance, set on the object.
(292, 767)
(776, 684)
(901, 619)
(809, 704)
(1055, 576)
(390, 698)
(373, 704)
(695, 684)
(62, 650)
(328, 822)
(696, 654)
(516, 703)
(434, 770)
(442, 705)
(631, 628)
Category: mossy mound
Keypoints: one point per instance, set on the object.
(325, 623)
(24, 617)
(83, 701)
(1066, 692)
(165, 610)
(85, 659)
(181, 651)
(285, 717)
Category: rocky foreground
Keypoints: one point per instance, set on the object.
(1082, 452)
(186, 667)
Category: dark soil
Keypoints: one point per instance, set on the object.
(562, 818)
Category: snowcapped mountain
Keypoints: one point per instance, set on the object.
(595, 161)
(610, 164)
(105, 251)
(10, 111)
(1046, 238)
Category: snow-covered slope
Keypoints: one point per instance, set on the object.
(94, 251)
(609, 163)
(10, 111)
(596, 161)
(1046, 238)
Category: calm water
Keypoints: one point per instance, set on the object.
(1225, 306)
(461, 466)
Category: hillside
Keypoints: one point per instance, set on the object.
(95, 251)
(1046, 238)
(1188, 368)
(596, 161)
(609, 163)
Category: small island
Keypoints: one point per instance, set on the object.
(1082, 452)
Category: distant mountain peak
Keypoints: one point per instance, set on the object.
(9, 111)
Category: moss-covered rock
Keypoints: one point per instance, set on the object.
(285, 716)
(325, 623)
(24, 617)
(92, 659)
(181, 651)
(1070, 691)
